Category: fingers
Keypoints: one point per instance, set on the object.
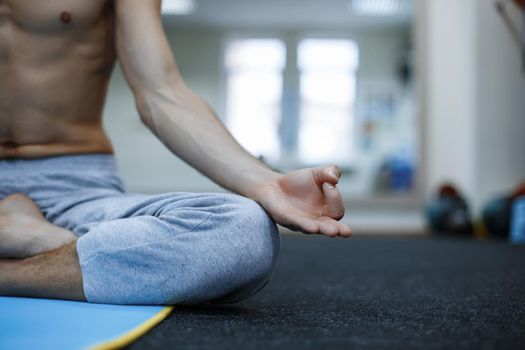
(307, 226)
(334, 203)
(296, 221)
(324, 225)
(330, 174)
(328, 229)
(332, 228)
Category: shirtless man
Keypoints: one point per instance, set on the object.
(67, 228)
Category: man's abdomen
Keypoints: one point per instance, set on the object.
(53, 79)
(36, 135)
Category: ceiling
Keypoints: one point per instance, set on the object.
(276, 14)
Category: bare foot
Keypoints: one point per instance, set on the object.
(24, 231)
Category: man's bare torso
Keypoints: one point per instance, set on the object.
(56, 59)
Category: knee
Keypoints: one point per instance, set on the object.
(255, 241)
(259, 235)
(226, 254)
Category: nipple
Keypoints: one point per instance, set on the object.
(65, 17)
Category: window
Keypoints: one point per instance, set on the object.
(327, 96)
(318, 126)
(254, 93)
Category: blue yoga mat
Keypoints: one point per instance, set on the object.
(27, 323)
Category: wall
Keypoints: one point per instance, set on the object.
(501, 104)
(451, 82)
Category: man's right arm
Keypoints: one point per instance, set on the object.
(191, 130)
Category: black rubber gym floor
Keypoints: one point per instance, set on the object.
(368, 293)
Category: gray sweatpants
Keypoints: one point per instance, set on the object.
(175, 248)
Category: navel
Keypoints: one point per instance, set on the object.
(65, 17)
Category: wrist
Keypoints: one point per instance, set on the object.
(261, 181)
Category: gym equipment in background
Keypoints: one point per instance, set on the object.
(448, 212)
(396, 174)
(517, 231)
(497, 214)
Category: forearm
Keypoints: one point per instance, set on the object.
(191, 130)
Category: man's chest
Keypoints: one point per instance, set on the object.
(52, 15)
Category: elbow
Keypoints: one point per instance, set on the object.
(172, 100)
(144, 110)
(152, 105)
(155, 94)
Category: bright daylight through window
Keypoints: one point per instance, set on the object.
(325, 80)
(327, 89)
(254, 92)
